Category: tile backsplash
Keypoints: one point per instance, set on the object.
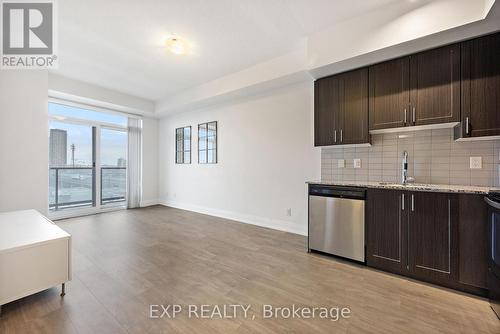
(433, 157)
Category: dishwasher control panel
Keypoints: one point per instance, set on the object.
(337, 191)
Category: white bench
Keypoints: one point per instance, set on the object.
(35, 255)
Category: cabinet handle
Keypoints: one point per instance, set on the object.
(449, 235)
(405, 116)
(341, 137)
(335, 135)
(408, 242)
(403, 202)
(413, 115)
(466, 125)
(412, 202)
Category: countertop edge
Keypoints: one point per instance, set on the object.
(473, 190)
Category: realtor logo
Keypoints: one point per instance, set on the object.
(28, 34)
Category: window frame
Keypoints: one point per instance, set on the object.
(207, 150)
(183, 148)
(98, 125)
(89, 107)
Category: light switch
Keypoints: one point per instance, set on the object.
(476, 162)
(341, 163)
(357, 163)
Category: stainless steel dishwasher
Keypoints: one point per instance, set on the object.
(337, 221)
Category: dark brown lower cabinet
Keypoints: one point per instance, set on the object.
(386, 230)
(473, 240)
(434, 237)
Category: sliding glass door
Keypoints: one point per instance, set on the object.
(71, 165)
(87, 159)
(113, 166)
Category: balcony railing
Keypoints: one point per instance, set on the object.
(74, 186)
(113, 184)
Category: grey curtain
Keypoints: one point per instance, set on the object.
(134, 162)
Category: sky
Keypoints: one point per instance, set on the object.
(113, 142)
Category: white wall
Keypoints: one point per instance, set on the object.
(266, 155)
(23, 140)
(150, 162)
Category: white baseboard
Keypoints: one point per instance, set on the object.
(149, 202)
(275, 224)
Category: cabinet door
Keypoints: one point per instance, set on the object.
(386, 229)
(473, 243)
(327, 105)
(389, 94)
(435, 86)
(481, 86)
(433, 235)
(354, 116)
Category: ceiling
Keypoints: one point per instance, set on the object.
(116, 44)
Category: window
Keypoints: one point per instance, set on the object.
(207, 143)
(87, 158)
(71, 165)
(183, 145)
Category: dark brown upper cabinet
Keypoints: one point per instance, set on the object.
(354, 115)
(458, 82)
(389, 94)
(435, 86)
(481, 86)
(417, 90)
(326, 106)
(341, 109)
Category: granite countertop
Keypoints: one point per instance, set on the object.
(411, 186)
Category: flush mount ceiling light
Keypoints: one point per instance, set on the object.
(176, 45)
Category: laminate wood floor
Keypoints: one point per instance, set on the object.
(125, 261)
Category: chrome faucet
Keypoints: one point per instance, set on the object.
(404, 170)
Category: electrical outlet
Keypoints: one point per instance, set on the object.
(476, 162)
(341, 163)
(288, 212)
(357, 163)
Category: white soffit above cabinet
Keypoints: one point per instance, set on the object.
(244, 47)
(381, 35)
